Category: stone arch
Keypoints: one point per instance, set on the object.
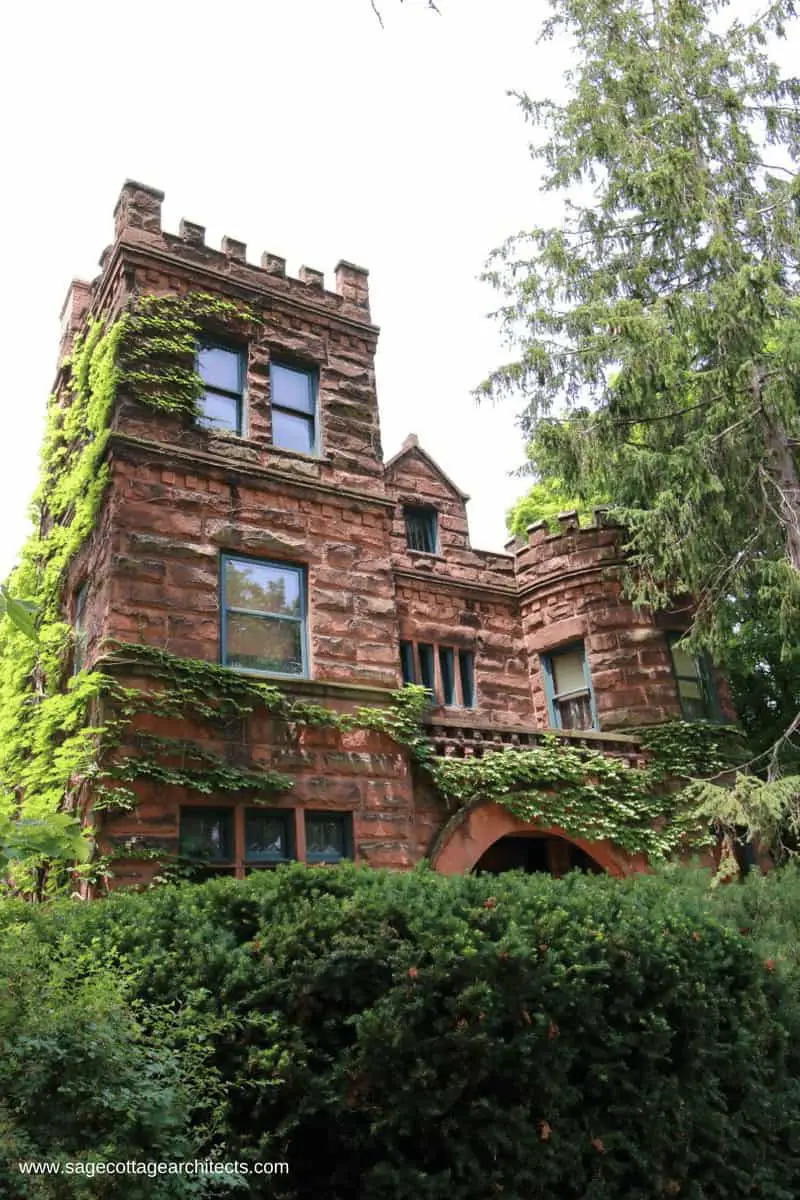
(466, 837)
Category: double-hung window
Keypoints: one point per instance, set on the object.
(568, 688)
(293, 395)
(222, 370)
(422, 528)
(263, 617)
(696, 690)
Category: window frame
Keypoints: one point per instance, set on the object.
(342, 817)
(241, 351)
(419, 512)
(226, 811)
(554, 698)
(312, 372)
(704, 677)
(287, 815)
(302, 570)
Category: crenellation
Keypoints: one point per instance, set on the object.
(234, 249)
(192, 233)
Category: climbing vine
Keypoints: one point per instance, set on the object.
(58, 733)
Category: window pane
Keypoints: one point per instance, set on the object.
(576, 713)
(326, 836)
(292, 388)
(685, 664)
(466, 667)
(568, 672)
(220, 368)
(421, 527)
(426, 668)
(263, 644)
(218, 412)
(262, 587)
(448, 675)
(407, 662)
(266, 836)
(290, 432)
(207, 833)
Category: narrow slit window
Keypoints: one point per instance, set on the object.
(466, 667)
(427, 670)
(422, 532)
(447, 672)
(221, 405)
(407, 662)
(293, 393)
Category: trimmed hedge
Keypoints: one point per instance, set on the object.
(395, 1036)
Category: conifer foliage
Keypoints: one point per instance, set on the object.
(657, 327)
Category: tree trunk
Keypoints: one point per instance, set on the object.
(786, 480)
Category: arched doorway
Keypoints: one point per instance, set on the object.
(468, 836)
(535, 853)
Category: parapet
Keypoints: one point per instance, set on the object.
(137, 219)
(576, 548)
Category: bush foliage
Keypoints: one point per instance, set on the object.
(394, 1036)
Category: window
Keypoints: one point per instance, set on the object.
(466, 669)
(222, 370)
(268, 836)
(427, 671)
(329, 836)
(407, 662)
(80, 635)
(447, 673)
(456, 681)
(421, 528)
(696, 690)
(293, 392)
(263, 617)
(569, 689)
(206, 834)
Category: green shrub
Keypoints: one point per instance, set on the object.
(395, 1036)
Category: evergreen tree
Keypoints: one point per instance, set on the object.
(657, 328)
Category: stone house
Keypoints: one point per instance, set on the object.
(270, 536)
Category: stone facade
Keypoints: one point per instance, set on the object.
(182, 495)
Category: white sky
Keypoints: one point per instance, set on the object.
(300, 127)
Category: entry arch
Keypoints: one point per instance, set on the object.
(469, 834)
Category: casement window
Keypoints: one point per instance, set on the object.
(293, 396)
(207, 836)
(268, 836)
(264, 623)
(329, 836)
(455, 684)
(237, 840)
(422, 528)
(79, 632)
(695, 683)
(568, 688)
(222, 369)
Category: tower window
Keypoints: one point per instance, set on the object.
(421, 528)
(696, 690)
(263, 617)
(222, 403)
(293, 393)
(568, 687)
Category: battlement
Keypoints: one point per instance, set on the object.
(137, 221)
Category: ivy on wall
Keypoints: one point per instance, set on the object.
(59, 733)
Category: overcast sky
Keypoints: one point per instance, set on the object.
(300, 127)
